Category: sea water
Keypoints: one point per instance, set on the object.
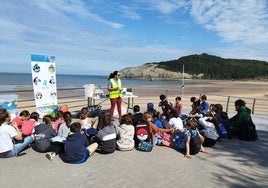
(14, 81)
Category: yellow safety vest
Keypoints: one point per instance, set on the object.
(115, 93)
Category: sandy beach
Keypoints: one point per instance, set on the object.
(253, 89)
(254, 93)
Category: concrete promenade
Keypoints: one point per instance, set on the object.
(231, 163)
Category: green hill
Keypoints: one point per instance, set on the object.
(213, 67)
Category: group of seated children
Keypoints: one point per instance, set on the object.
(75, 141)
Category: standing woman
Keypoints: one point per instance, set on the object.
(114, 87)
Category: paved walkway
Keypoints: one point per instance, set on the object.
(231, 163)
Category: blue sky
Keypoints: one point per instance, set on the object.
(100, 36)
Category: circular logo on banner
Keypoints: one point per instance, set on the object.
(38, 95)
(52, 80)
(51, 69)
(36, 68)
(142, 134)
(36, 80)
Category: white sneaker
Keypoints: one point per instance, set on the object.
(50, 155)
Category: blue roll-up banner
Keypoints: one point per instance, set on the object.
(44, 83)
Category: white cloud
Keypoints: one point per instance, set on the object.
(129, 12)
(234, 20)
(79, 8)
(165, 6)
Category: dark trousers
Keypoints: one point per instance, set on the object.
(209, 142)
(57, 147)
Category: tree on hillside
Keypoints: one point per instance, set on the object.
(213, 67)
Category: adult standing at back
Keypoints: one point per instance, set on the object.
(114, 87)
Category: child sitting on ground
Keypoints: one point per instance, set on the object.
(85, 121)
(126, 133)
(106, 136)
(137, 115)
(158, 120)
(58, 120)
(57, 142)
(159, 136)
(77, 148)
(175, 121)
(22, 118)
(193, 139)
(9, 132)
(64, 128)
(42, 135)
(209, 130)
(28, 127)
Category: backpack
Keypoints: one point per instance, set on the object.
(195, 144)
(247, 131)
(143, 137)
(222, 132)
(94, 110)
(179, 141)
(142, 131)
(145, 146)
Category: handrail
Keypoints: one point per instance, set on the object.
(75, 98)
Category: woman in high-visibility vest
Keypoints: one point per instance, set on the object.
(114, 88)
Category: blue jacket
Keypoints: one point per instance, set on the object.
(75, 147)
(204, 107)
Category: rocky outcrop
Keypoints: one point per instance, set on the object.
(152, 72)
